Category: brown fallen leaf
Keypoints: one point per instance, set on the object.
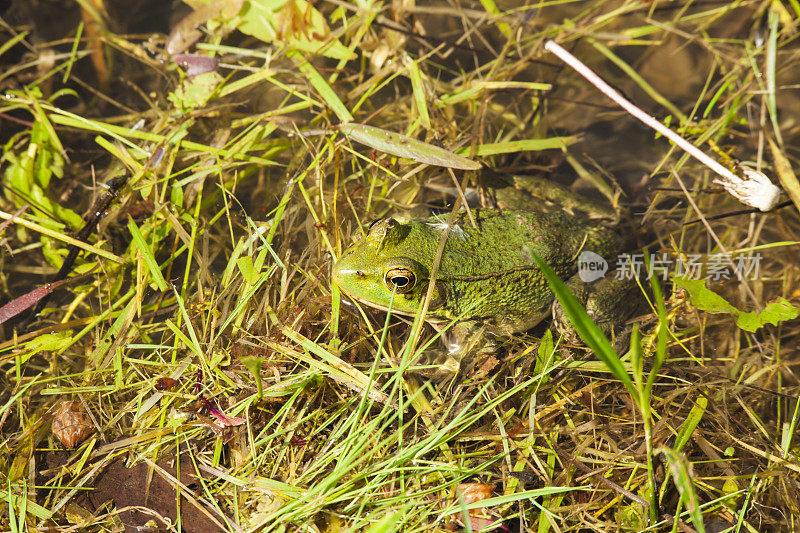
(28, 300)
(71, 424)
(475, 492)
(480, 518)
(129, 487)
(486, 366)
(166, 383)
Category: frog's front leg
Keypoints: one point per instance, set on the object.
(462, 342)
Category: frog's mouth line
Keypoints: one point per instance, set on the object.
(431, 316)
(374, 305)
(435, 320)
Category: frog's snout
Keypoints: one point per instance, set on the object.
(345, 272)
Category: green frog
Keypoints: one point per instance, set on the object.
(487, 279)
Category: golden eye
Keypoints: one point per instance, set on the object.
(399, 279)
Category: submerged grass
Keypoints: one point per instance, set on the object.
(199, 216)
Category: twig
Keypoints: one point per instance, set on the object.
(754, 189)
(598, 478)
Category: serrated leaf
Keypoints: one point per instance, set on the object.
(707, 300)
(773, 313)
(404, 146)
(703, 298)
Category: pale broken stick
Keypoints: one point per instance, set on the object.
(754, 188)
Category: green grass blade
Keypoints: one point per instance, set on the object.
(525, 145)
(318, 82)
(587, 329)
(419, 94)
(681, 472)
(404, 146)
(688, 427)
(147, 255)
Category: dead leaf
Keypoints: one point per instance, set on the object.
(475, 492)
(71, 424)
(129, 487)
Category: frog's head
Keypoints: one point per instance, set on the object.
(380, 270)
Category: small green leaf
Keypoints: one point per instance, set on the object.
(544, 355)
(52, 252)
(403, 146)
(194, 92)
(773, 313)
(245, 264)
(49, 342)
(524, 145)
(711, 302)
(294, 22)
(473, 90)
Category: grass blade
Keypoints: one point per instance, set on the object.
(587, 329)
(404, 146)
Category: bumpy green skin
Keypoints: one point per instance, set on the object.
(486, 275)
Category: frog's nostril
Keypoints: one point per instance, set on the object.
(360, 273)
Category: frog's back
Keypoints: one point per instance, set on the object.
(488, 271)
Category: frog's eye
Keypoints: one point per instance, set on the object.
(378, 228)
(399, 279)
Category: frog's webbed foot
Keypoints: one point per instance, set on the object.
(463, 343)
(436, 365)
